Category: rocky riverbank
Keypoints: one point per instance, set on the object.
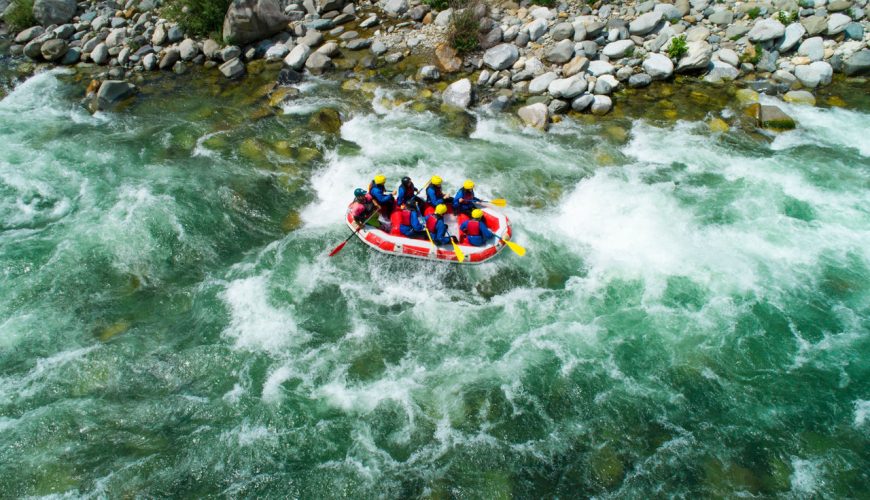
(542, 61)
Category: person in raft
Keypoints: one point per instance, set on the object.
(383, 198)
(464, 201)
(405, 222)
(436, 225)
(435, 196)
(407, 192)
(362, 207)
(474, 231)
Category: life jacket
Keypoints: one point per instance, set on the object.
(438, 193)
(431, 222)
(467, 195)
(405, 219)
(473, 228)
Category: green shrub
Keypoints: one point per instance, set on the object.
(753, 12)
(463, 32)
(678, 47)
(198, 17)
(545, 3)
(437, 4)
(20, 15)
(786, 17)
(752, 57)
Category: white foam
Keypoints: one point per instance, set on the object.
(833, 127)
(272, 386)
(26, 386)
(255, 323)
(862, 412)
(247, 434)
(806, 476)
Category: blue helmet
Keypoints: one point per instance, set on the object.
(359, 192)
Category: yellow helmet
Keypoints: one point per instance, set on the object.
(441, 209)
(469, 184)
(435, 181)
(380, 179)
(477, 213)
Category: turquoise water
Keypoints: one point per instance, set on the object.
(691, 319)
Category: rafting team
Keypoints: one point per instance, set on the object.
(411, 216)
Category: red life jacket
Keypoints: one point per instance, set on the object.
(405, 217)
(473, 228)
(431, 222)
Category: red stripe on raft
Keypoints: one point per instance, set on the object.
(387, 246)
(481, 256)
(411, 250)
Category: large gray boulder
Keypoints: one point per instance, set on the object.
(814, 74)
(698, 57)
(501, 56)
(598, 68)
(112, 91)
(567, 88)
(53, 50)
(814, 48)
(395, 7)
(644, 23)
(601, 105)
(49, 12)
(541, 83)
(100, 54)
(297, 57)
(617, 49)
(233, 68)
(721, 17)
(721, 72)
(793, 34)
(766, 29)
(837, 23)
(251, 20)
(562, 52)
(458, 94)
(535, 115)
(319, 63)
(857, 64)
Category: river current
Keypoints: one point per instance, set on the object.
(692, 318)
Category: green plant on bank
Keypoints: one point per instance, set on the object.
(786, 17)
(463, 33)
(545, 3)
(753, 12)
(678, 47)
(20, 15)
(753, 56)
(198, 17)
(437, 4)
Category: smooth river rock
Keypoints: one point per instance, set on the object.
(49, 12)
(458, 94)
(535, 115)
(501, 56)
(248, 21)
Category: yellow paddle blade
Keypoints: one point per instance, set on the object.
(459, 255)
(430, 238)
(516, 248)
(499, 202)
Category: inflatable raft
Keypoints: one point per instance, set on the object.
(381, 240)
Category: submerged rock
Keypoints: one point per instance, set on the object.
(325, 120)
(771, 117)
(112, 91)
(799, 97)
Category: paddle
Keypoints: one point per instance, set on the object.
(417, 206)
(343, 243)
(499, 202)
(459, 255)
(513, 246)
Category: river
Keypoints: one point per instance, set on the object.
(692, 318)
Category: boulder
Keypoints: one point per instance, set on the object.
(233, 68)
(697, 57)
(149, 62)
(598, 68)
(159, 35)
(774, 118)
(537, 28)
(644, 23)
(658, 66)
(297, 57)
(448, 59)
(542, 13)
(359, 44)
(379, 48)
(429, 73)
(188, 49)
(325, 120)
(799, 97)
(535, 115)
(230, 52)
(815, 25)
(562, 31)
(112, 91)
(567, 88)
(277, 52)
(814, 74)
(605, 85)
(501, 56)
(72, 56)
(857, 64)
(442, 19)
(29, 34)
(582, 102)
(766, 29)
(49, 12)
(728, 56)
(721, 72)
(668, 11)
(458, 94)
(837, 23)
(854, 31)
(814, 48)
(721, 17)
(639, 80)
(562, 52)
(793, 34)
(601, 105)
(289, 76)
(33, 49)
(541, 83)
(839, 5)
(318, 63)
(100, 54)
(618, 49)
(210, 48)
(574, 66)
(248, 21)
(395, 8)
(53, 50)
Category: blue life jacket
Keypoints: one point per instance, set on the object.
(403, 195)
(434, 195)
(437, 229)
(464, 200)
(380, 194)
